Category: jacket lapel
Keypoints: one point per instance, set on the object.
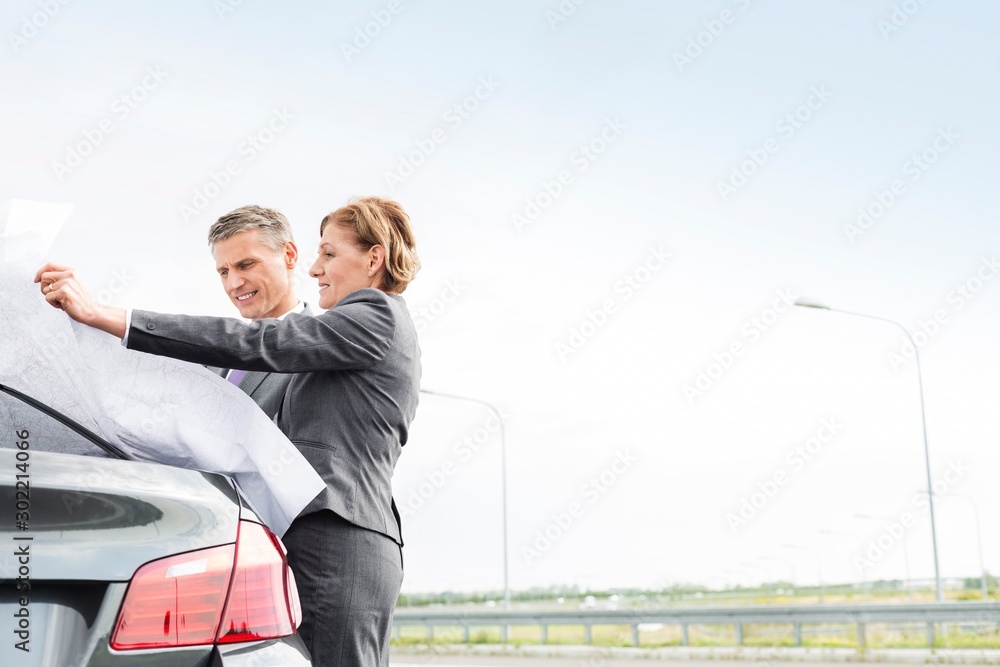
(252, 380)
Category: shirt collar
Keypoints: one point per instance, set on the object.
(298, 308)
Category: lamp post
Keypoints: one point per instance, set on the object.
(503, 477)
(906, 550)
(791, 568)
(819, 565)
(805, 303)
(738, 574)
(861, 548)
(767, 573)
(979, 538)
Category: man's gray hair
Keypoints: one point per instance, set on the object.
(275, 231)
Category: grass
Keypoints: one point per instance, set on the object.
(897, 635)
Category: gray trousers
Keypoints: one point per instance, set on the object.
(348, 579)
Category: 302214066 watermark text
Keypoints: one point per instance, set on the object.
(22, 541)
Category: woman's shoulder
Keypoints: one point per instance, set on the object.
(374, 297)
(372, 314)
(369, 297)
(371, 303)
(365, 294)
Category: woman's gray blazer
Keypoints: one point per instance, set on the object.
(350, 404)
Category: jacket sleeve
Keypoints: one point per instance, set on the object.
(357, 333)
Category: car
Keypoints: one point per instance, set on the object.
(109, 561)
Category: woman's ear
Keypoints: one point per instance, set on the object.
(376, 259)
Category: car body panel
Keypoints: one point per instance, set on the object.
(89, 523)
(82, 508)
(72, 622)
(284, 652)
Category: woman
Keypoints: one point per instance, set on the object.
(348, 411)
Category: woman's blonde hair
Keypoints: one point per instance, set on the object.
(378, 221)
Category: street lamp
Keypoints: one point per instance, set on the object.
(979, 538)
(767, 573)
(503, 476)
(819, 565)
(791, 568)
(805, 303)
(861, 549)
(906, 551)
(739, 574)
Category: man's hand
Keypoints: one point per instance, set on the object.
(62, 289)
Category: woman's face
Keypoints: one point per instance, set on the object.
(341, 266)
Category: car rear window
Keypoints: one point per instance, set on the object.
(46, 433)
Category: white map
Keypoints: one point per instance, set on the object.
(152, 408)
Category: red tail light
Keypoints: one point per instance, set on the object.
(233, 593)
(260, 605)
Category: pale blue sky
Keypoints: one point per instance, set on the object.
(522, 294)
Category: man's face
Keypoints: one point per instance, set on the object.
(257, 279)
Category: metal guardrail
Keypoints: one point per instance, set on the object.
(796, 615)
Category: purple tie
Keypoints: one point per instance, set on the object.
(235, 376)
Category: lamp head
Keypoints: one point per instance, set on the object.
(809, 303)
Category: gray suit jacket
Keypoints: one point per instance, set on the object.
(348, 408)
(266, 389)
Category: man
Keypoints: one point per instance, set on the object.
(255, 257)
(348, 409)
